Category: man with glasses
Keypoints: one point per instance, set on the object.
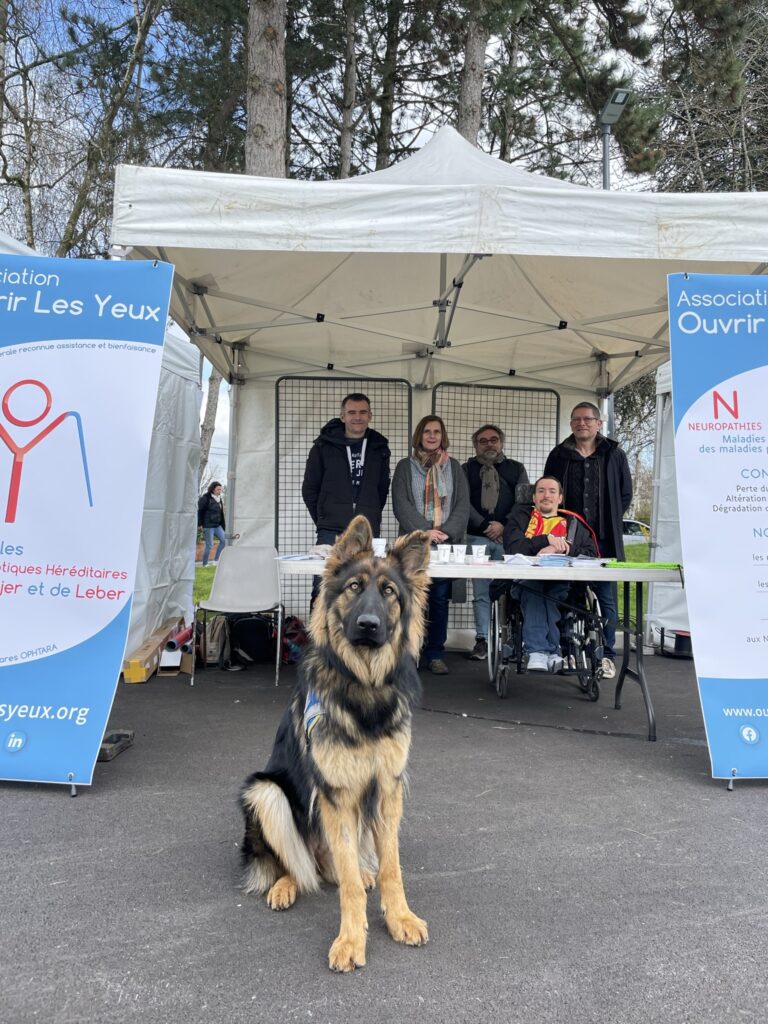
(496, 483)
(597, 485)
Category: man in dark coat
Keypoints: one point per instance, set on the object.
(496, 483)
(347, 472)
(544, 529)
(597, 485)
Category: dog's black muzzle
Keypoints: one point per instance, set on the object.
(367, 621)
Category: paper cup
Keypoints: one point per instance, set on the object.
(459, 553)
(443, 552)
(379, 546)
(478, 552)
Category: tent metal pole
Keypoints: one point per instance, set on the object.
(234, 403)
(661, 403)
(441, 303)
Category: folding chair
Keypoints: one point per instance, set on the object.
(247, 579)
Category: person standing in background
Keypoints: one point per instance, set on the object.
(210, 517)
(496, 483)
(430, 492)
(597, 485)
(347, 473)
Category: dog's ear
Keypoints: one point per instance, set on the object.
(411, 552)
(356, 540)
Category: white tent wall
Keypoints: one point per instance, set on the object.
(166, 568)
(252, 463)
(667, 608)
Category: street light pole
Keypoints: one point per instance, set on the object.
(606, 131)
(609, 115)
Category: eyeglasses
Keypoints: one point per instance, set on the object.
(584, 419)
(488, 440)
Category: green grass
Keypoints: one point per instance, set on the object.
(203, 583)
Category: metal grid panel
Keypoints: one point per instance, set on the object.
(303, 406)
(529, 418)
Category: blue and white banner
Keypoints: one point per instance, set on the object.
(719, 346)
(80, 349)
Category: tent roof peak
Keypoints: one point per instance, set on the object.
(450, 159)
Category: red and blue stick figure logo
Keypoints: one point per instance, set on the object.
(19, 451)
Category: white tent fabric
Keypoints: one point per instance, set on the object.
(449, 266)
(165, 569)
(570, 290)
(11, 246)
(667, 608)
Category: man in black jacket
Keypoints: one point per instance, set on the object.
(597, 485)
(544, 529)
(347, 471)
(496, 483)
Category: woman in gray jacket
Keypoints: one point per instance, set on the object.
(430, 492)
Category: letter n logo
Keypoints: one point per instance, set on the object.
(718, 400)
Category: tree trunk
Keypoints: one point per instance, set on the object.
(508, 103)
(3, 45)
(265, 89)
(471, 94)
(209, 421)
(388, 72)
(349, 93)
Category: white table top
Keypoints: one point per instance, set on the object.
(503, 571)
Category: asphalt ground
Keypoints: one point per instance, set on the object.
(569, 870)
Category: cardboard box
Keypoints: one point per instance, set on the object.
(139, 666)
(169, 664)
(174, 662)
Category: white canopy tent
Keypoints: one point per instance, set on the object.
(451, 265)
(165, 569)
(667, 608)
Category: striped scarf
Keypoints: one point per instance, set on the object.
(435, 485)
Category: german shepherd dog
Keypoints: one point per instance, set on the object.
(329, 803)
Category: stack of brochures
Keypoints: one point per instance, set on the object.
(554, 561)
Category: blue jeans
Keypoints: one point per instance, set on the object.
(607, 595)
(481, 602)
(209, 532)
(541, 614)
(437, 615)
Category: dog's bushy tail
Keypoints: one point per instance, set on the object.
(273, 845)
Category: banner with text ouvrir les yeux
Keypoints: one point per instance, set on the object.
(80, 349)
(719, 345)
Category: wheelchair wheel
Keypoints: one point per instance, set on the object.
(494, 640)
(516, 638)
(576, 641)
(502, 680)
(591, 687)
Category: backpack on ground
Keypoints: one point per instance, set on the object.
(295, 639)
(215, 637)
(250, 639)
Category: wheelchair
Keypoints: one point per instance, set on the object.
(581, 638)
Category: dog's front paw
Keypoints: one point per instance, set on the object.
(346, 954)
(407, 928)
(283, 893)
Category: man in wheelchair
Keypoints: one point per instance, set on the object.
(545, 529)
